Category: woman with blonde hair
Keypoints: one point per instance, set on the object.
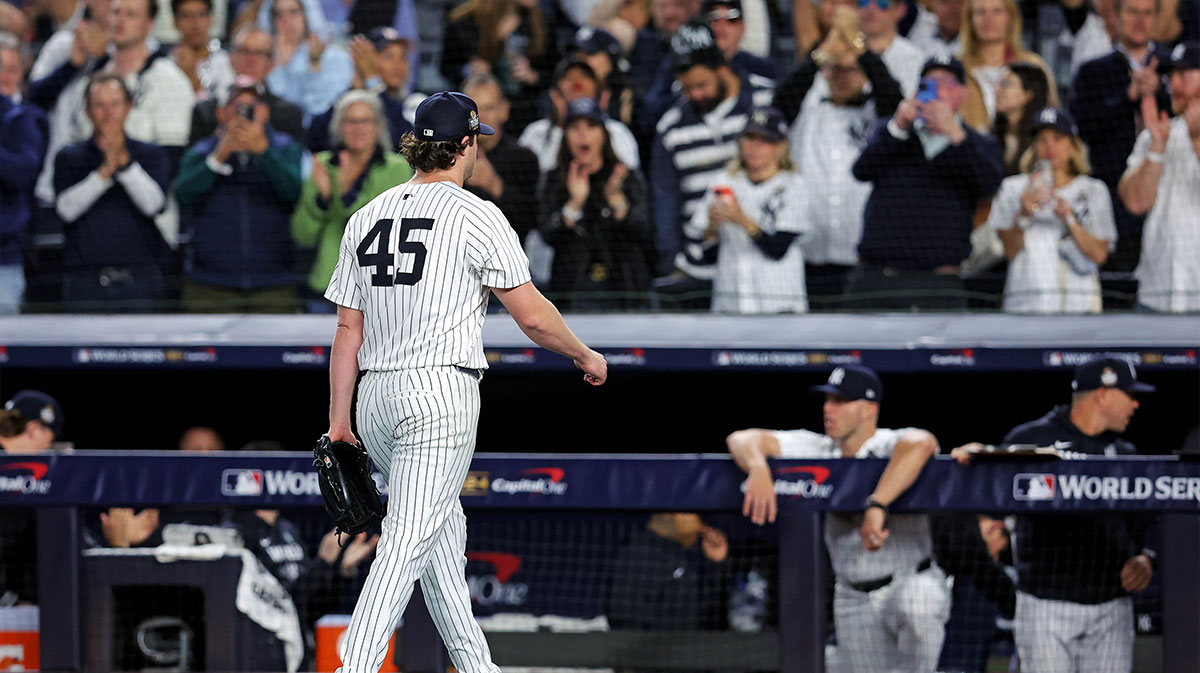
(1056, 223)
(756, 210)
(361, 166)
(991, 39)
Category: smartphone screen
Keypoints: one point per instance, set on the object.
(928, 91)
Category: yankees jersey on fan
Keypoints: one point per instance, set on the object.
(690, 149)
(825, 141)
(747, 280)
(418, 261)
(909, 541)
(1039, 279)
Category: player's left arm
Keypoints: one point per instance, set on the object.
(343, 371)
(909, 456)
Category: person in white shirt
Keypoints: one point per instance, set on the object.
(197, 55)
(757, 208)
(878, 20)
(1056, 223)
(1163, 179)
(890, 601)
(826, 138)
(936, 29)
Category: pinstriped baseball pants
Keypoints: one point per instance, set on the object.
(1066, 637)
(419, 427)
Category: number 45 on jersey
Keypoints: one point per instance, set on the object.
(383, 258)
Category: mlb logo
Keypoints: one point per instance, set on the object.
(1033, 487)
(242, 482)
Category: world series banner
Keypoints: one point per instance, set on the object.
(649, 482)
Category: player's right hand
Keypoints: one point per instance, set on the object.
(342, 434)
(594, 366)
(759, 503)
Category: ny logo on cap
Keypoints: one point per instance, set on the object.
(691, 38)
(760, 117)
(1177, 54)
(836, 377)
(585, 33)
(1108, 377)
(1049, 116)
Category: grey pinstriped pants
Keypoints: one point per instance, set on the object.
(419, 427)
(897, 629)
(1066, 637)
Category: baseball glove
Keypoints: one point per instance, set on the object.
(344, 473)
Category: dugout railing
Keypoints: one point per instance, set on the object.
(60, 488)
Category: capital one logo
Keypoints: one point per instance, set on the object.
(813, 486)
(1034, 486)
(496, 587)
(539, 480)
(25, 478)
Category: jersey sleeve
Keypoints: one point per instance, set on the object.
(883, 443)
(801, 444)
(503, 263)
(343, 287)
(794, 216)
(1099, 220)
(1007, 203)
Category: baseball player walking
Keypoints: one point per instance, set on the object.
(411, 285)
(890, 601)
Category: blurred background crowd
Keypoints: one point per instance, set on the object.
(740, 156)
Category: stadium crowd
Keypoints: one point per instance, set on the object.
(748, 156)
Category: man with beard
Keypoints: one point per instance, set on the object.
(707, 117)
(1163, 179)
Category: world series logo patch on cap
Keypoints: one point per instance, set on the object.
(472, 120)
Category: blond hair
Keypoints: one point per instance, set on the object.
(970, 41)
(785, 162)
(1078, 162)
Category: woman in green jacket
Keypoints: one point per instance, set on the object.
(343, 180)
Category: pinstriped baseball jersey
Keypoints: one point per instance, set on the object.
(909, 541)
(418, 261)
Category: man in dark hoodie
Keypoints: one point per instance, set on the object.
(236, 191)
(1074, 610)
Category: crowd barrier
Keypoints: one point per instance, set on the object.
(61, 486)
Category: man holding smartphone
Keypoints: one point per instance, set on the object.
(929, 171)
(236, 190)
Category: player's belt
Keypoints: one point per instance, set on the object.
(873, 585)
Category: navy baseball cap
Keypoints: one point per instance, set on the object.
(853, 382)
(584, 108)
(35, 405)
(592, 40)
(448, 115)
(695, 45)
(1055, 118)
(386, 35)
(946, 62)
(767, 122)
(1185, 55)
(1108, 373)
